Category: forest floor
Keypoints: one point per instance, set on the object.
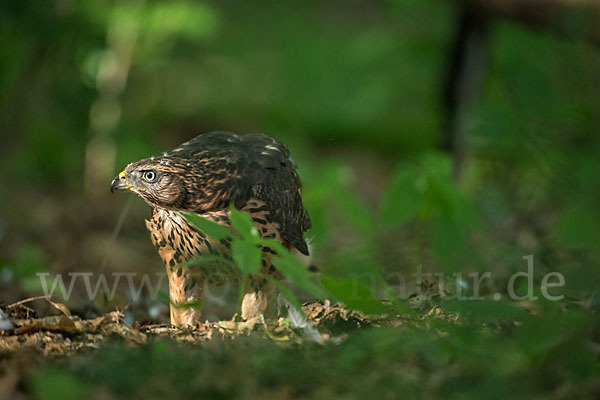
(325, 352)
(66, 334)
(33, 341)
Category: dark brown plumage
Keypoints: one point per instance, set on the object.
(204, 176)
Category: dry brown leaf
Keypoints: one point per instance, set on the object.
(60, 307)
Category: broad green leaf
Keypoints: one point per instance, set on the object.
(401, 200)
(242, 223)
(212, 229)
(356, 212)
(449, 244)
(186, 19)
(246, 255)
(292, 268)
(289, 265)
(273, 244)
(353, 294)
(436, 164)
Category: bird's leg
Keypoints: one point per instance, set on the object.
(257, 298)
(185, 292)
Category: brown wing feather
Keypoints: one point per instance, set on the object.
(238, 168)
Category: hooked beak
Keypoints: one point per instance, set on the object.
(119, 183)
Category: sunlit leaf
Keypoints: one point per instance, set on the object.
(246, 255)
(212, 229)
(178, 18)
(289, 265)
(242, 223)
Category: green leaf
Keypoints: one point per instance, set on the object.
(353, 294)
(188, 305)
(171, 19)
(293, 269)
(449, 244)
(577, 227)
(289, 265)
(205, 259)
(163, 297)
(242, 223)
(486, 310)
(58, 385)
(401, 200)
(287, 293)
(247, 256)
(356, 212)
(273, 244)
(212, 229)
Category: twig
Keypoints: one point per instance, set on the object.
(18, 303)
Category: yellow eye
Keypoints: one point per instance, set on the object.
(149, 176)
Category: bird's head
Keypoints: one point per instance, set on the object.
(158, 180)
(180, 183)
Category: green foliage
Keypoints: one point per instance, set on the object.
(246, 251)
(48, 384)
(424, 190)
(400, 202)
(243, 224)
(448, 243)
(247, 256)
(576, 229)
(434, 359)
(353, 294)
(293, 269)
(212, 229)
(27, 262)
(339, 84)
(163, 21)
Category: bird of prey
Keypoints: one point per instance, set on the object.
(205, 176)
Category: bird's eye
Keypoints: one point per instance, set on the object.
(149, 176)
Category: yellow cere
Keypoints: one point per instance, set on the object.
(123, 178)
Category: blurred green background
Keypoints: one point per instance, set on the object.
(354, 88)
